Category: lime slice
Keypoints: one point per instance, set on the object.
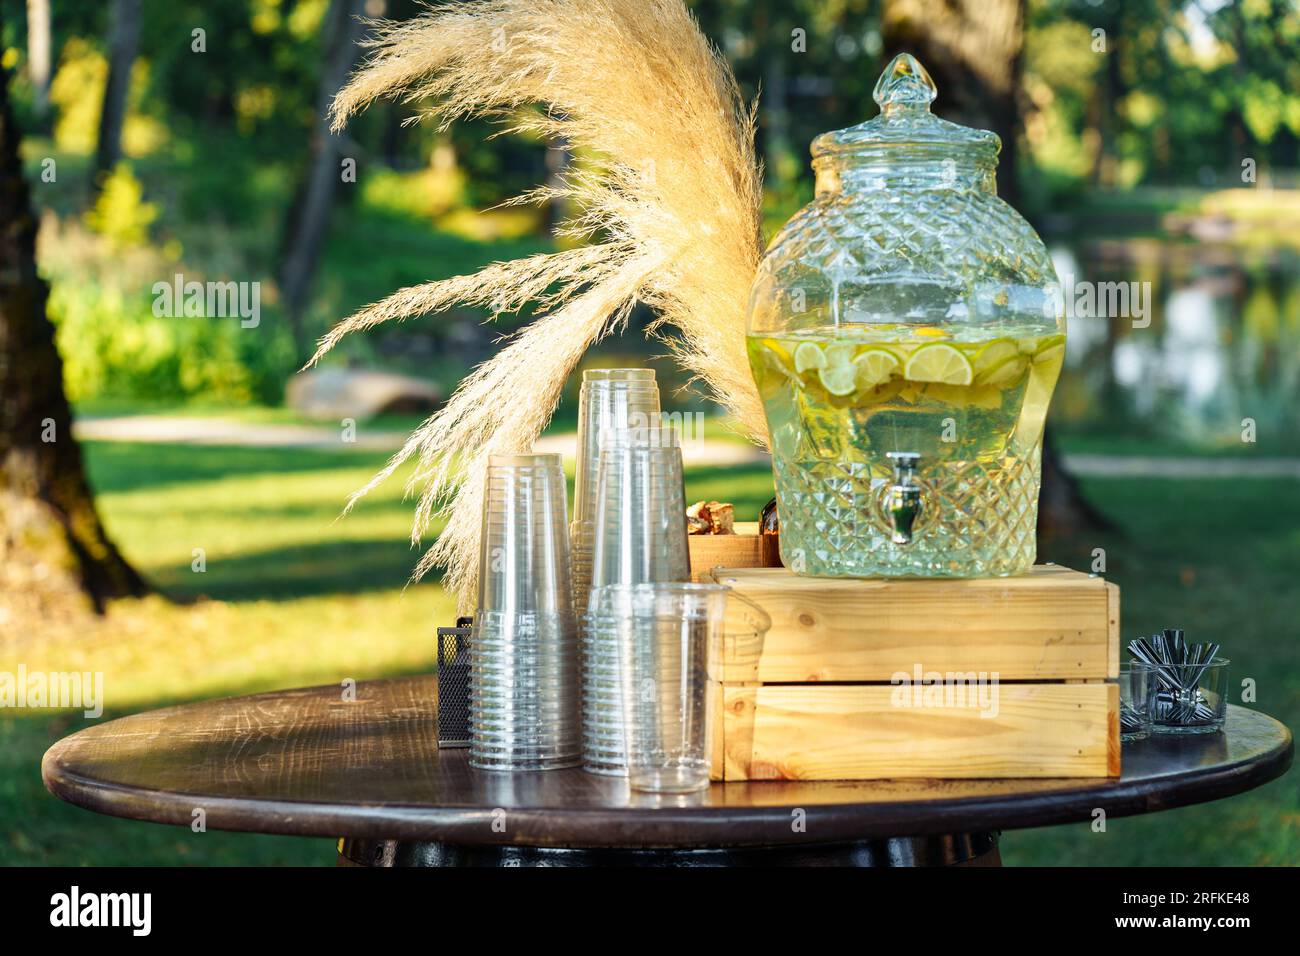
(839, 379)
(839, 353)
(875, 366)
(939, 362)
(808, 355)
(1008, 370)
(995, 353)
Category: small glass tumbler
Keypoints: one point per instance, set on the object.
(1192, 699)
(668, 638)
(1137, 700)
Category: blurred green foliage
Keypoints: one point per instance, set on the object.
(114, 347)
(120, 213)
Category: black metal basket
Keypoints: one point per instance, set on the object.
(453, 684)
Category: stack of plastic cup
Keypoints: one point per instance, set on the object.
(610, 398)
(676, 643)
(640, 537)
(525, 709)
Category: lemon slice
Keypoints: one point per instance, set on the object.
(1054, 354)
(839, 379)
(1052, 349)
(993, 354)
(807, 356)
(939, 362)
(987, 397)
(1008, 370)
(875, 366)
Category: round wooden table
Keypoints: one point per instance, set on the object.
(312, 762)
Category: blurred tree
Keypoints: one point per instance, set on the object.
(124, 39)
(1261, 78)
(973, 49)
(53, 547)
(38, 55)
(309, 214)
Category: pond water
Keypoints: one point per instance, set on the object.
(1212, 338)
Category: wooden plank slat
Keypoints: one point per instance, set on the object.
(861, 732)
(1112, 623)
(1049, 624)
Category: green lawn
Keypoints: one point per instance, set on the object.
(291, 597)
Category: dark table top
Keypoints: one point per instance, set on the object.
(308, 762)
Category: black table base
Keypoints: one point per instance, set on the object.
(961, 849)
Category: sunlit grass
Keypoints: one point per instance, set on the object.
(271, 589)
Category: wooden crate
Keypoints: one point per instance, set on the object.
(839, 690)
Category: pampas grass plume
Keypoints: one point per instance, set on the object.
(670, 214)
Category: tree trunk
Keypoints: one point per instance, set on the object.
(54, 553)
(558, 158)
(38, 55)
(124, 39)
(309, 214)
(973, 49)
(1104, 105)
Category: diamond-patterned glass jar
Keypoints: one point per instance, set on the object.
(906, 332)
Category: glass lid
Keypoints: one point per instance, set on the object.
(904, 93)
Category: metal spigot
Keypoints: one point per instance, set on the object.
(903, 502)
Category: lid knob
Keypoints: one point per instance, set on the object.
(904, 84)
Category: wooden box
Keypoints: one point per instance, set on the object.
(844, 687)
(744, 549)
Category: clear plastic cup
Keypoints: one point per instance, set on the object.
(524, 553)
(610, 398)
(639, 536)
(525, 686)
(676, 643)
(640, 524)
(668, 636)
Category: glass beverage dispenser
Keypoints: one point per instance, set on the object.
(906, 333)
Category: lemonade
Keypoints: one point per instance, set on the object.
(838, 400)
